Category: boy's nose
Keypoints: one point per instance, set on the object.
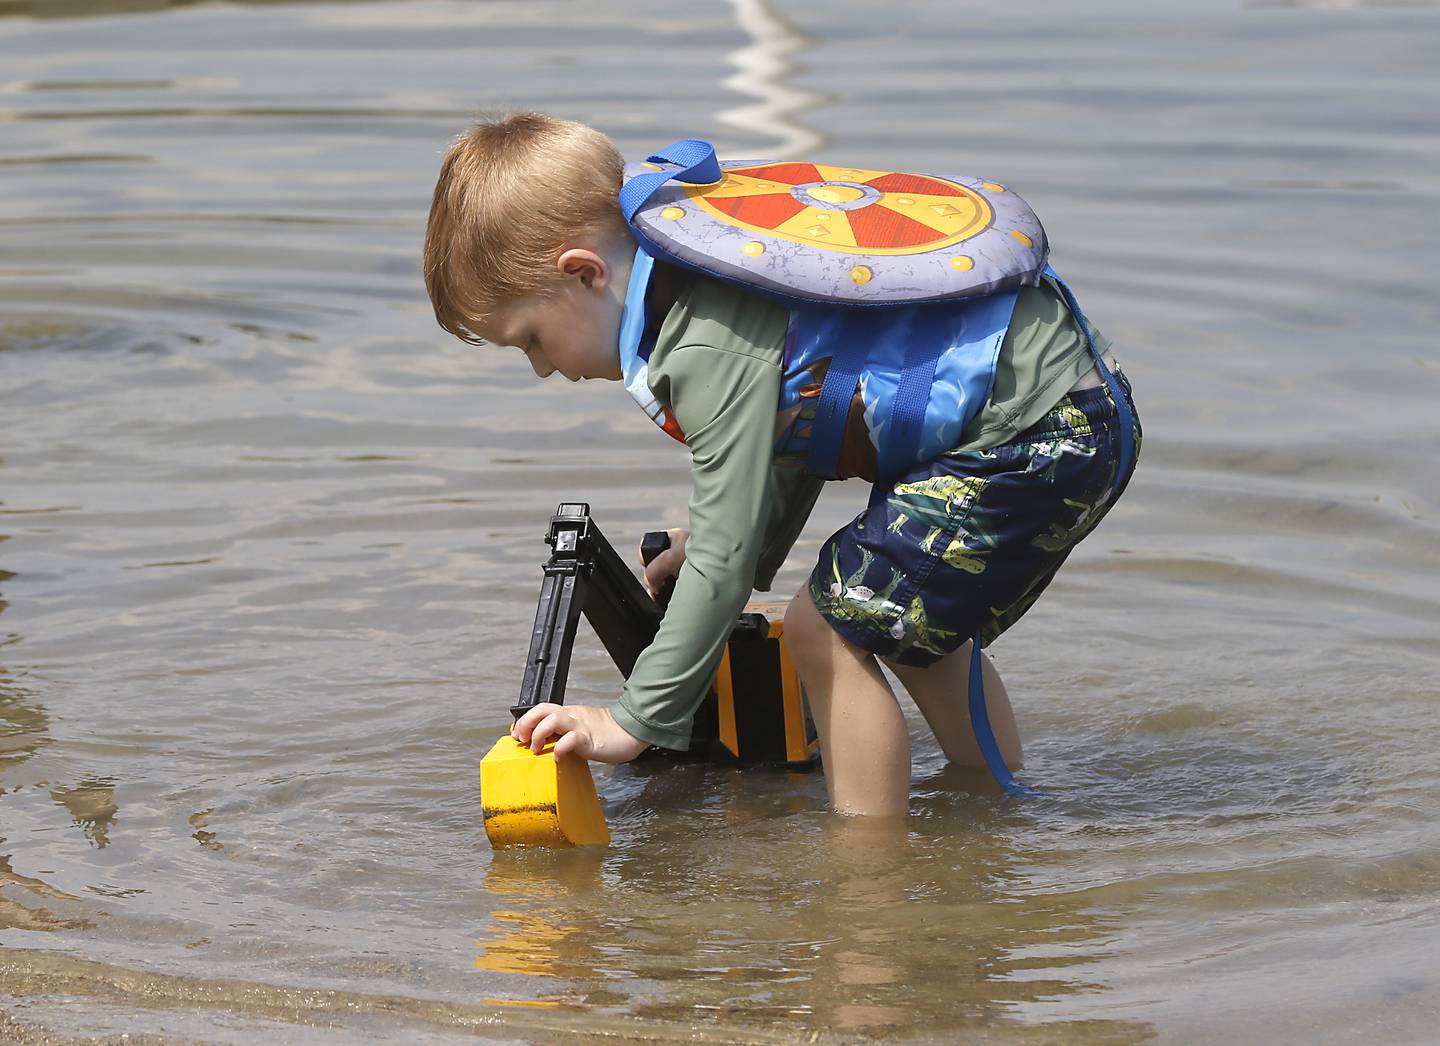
(540, 366)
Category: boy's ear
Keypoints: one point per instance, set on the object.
(584, 264)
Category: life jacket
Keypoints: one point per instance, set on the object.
(899, 285)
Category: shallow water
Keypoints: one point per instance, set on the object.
(269, 542)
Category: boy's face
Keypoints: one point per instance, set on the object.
(574, 328)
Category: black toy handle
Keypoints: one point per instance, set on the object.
(584, 575)
(651, 545)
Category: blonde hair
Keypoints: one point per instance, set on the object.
(512, 190)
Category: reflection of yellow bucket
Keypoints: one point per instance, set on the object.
(532, 944)
(550, 919)
(538, 800)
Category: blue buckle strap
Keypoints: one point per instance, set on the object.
(979, 713)
(985, 733)
(698, 166)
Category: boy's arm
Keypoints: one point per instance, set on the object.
(725, 403)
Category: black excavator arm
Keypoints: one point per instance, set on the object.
(755, 711)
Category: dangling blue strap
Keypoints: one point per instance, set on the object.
(985, 733)
(698, 166)
(979, 713)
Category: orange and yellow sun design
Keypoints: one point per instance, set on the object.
(845, 209)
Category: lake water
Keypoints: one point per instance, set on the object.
(269, 542)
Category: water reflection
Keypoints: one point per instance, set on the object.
(912, 925)
(24, 730)
(24, 724)
(1337, 4)
(17, 916)
(91, 8)
(762, 68)
(866, 886)
(92, 805)
(540, 922)
(749, 907)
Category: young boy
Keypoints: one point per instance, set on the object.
(527, 246)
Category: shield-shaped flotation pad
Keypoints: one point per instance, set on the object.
(846, 235)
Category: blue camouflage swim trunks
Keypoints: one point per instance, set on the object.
(969, 540)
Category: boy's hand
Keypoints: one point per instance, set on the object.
(590, 733)
(667, 564)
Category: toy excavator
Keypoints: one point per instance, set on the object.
(754, 714)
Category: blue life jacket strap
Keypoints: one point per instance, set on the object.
(907, 410)
(1122, 402)
(832, 408)
(984, 733)
(632, 315)
(698, 166)
(905, 422)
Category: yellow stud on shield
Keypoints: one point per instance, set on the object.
(538, 800)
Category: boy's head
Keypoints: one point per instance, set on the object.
(526, 239)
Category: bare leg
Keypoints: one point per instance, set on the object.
(863, 739)
(941, 692)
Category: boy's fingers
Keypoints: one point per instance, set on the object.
(525, 725)
(569, 744)
(538, 733)
(662, 568)
(552, 725)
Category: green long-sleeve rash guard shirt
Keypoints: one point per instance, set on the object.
(717, 364)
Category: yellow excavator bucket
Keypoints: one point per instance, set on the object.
(538, 800)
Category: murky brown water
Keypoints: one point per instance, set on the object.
(270, 543)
